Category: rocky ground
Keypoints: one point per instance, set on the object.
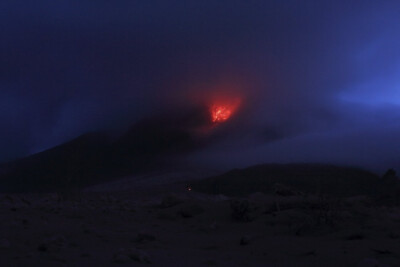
(176, 227)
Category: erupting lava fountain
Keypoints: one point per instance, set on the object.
(221, 112)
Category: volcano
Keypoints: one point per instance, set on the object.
(148, 145)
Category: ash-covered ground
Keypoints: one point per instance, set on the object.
(154, 220)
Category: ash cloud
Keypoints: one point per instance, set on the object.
(314, 75)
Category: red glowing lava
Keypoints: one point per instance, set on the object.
(220, 113)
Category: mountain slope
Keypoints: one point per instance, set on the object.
(74, 163)
(309, 178)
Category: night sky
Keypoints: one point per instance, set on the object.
(319, 81)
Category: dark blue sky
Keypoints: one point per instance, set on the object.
(326, 73)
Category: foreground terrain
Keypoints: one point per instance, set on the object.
(171, 226)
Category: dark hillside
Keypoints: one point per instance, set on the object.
(308, 178)
(71, 164)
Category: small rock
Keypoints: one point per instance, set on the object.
(124, 255)
(245, 240)
(42, 248)
(191, 211)
(4, 244)
(26, 202)
(170, 201)
(73, 245)
(112, 199)
(309, 253)
(144, 237)
(210, 262)
(382, 251)
(283, 190)
(86, 229)
(222, 197)
(166, 216)
(393, 235)
(242, 210)
(214, 226)
(357, 236)
(138, 255)
(29, 255)
(371, 262)
(121, 258)
(9, 198)
(258, 197)
(53, 244)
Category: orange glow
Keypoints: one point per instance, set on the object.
(220, 113)
(223, 111)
